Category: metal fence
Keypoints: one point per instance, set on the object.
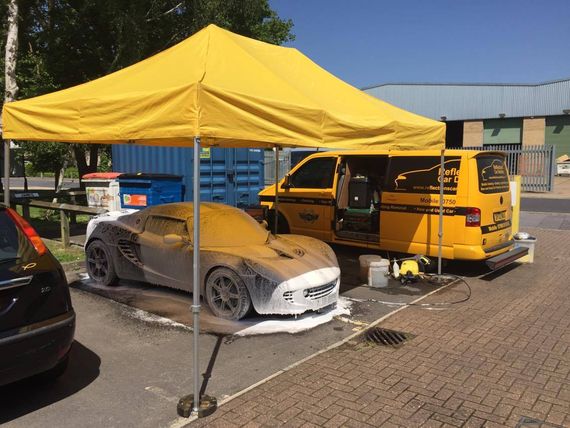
(269, 165)
(535, 164)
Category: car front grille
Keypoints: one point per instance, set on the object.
(320, 291)
(288, 296)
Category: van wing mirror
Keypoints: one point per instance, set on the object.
(287, 182)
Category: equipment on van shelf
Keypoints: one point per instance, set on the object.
(410, 269)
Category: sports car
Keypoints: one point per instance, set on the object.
(243, 267)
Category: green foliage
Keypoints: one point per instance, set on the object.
(44, 156)
(67, 42)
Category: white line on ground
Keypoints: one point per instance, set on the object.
(177, 423)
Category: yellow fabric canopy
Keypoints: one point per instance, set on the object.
(228, 90)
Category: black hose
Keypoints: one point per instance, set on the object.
(433, 278)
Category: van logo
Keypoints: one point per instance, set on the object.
(501, 200)
(426, 180)
(308, 216)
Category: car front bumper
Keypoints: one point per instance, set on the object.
(35, 348)
(311, 291)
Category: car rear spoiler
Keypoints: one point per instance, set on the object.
(504, 259)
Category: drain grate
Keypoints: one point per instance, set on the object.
(526, 422)
(384, 337)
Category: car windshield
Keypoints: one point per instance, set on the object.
(229, 228)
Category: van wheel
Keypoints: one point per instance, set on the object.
(282, 225)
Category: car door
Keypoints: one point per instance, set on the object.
(309, 203)
(166, 264)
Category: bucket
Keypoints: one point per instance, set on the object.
(529, 243)
(378, 273)
(365, 261)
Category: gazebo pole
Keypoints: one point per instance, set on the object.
(276, 204)
(7, 172)
(440, 232)
(195, 403)
(196, 276)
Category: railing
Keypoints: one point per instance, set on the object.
(535, 164)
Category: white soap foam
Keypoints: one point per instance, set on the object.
(147, 317)
(301, 323)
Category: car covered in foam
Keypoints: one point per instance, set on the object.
(243, 267)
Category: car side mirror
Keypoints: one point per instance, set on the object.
(287, 182)
(172, 239)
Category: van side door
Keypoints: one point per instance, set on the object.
(308, 205)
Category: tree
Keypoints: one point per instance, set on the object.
(11, 86)
(68, 42)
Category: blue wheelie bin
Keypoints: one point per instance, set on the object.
(143, 190)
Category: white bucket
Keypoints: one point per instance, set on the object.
(378, 273)
(528, 243)
(365, 260)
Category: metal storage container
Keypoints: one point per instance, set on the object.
(230, 176)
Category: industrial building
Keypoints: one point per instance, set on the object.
(479, 114)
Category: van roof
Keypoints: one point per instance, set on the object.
(432, 152)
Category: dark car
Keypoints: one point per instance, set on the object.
(37, 321)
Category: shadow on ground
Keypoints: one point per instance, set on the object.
(29, 395)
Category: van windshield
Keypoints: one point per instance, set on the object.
(493, 174)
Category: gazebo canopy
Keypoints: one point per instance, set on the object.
(230, 91)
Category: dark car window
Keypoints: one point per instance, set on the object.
(317, 173)
(165, 225)
(493, 174)
(420, 174)
(13, 242)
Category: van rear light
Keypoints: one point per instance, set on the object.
(29, 231)
(473, 218)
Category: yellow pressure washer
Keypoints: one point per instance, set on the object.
(410, 269)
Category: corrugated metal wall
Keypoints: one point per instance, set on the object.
(477, 101)
(231, 176)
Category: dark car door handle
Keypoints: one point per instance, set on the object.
(10, 306)
(18, 282)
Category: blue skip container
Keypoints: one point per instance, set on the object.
(142, 190)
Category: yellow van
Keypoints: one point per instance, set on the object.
(390, 201)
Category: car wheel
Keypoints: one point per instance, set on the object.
(227, 294)
(100, 267)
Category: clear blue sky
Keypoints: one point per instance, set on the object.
(367, 42)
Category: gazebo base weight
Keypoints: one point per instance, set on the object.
(207, 406)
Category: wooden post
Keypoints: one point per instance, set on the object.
(64, 229)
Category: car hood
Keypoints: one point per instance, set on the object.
(285, 258)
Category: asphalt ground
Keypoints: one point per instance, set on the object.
(548, 205)
(129, 368)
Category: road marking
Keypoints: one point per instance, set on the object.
(182, 422)
(161, 393)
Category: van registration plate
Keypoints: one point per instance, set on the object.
(500, 216)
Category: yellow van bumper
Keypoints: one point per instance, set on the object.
(477, 252)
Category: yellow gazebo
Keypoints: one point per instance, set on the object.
(219, 89)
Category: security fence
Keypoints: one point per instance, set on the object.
(269, 165)
(535, 164)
